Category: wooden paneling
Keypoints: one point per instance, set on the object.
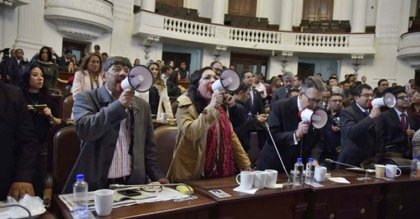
(247, 62)
(317, 10)
(243, 7)
(174, 3)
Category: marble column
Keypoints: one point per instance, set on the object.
(148, 5)
(358, 21)
(218, 13)
(30, 27)
(286, 16)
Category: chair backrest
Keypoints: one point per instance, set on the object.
(68, 107)
(66, 148)
(165, 137)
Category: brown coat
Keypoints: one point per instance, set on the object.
(190, 150)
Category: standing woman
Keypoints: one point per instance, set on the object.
(49, 67)
(206, 145)
(89, 76)
(158, 95)
(43, 110)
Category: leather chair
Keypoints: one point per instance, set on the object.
(68, 107)
(66, 148)
(165, 137)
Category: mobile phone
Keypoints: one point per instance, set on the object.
(39, 106)
(130, 192)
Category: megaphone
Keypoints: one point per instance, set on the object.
(318, 118)
(388, 100)
(139, 78)
(229, 80)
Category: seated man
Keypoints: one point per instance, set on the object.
(116, 132)
(396, 127)
(19, 148)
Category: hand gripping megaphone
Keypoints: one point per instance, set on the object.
(318, 117)
(139, 78)
(229, 80)
(388, 100)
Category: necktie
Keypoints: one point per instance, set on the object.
(403, 122)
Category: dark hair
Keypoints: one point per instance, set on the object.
(115, 60)
(48, 51)
(243, 74)
(214, 62)
(104, 53)
(199, 102)
(166, 68)
(357, 91)
(380, 81)
(174, 77)
(87, 59)
(242, 88)
(24, 80)
(396, 90)
(67, 51)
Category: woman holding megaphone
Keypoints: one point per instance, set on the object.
(206, 145)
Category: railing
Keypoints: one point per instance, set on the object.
(148, 23)
(188, 27)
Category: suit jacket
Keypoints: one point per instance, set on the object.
(283, 122)
(16, 69)
(358, 136)
(280, 93)
(98, 119)
(255, 105)
(332, 141)
(19, 149)
(391, 137)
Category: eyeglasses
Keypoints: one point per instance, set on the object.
(152, 188)
(312, 100)
(403, 98)
(366, 95)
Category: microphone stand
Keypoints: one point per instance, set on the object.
(349, 165)
(121, 187)
(277, 151)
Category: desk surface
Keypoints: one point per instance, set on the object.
(197, 208)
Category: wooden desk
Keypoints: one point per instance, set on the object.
(266, 203)
(197, 208)
(401, 198)
(359, 199)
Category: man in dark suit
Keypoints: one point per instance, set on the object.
(243, 125)
(19, 148)
(294, 138)
(358, 134)
(281, 93)
(64, 60)
(116, 132)
(331, 131)
(396, 127)
(255, 104)
(16, 66)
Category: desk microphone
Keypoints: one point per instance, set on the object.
(277, 150)
(349, 165)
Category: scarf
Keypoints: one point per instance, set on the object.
(219, 153)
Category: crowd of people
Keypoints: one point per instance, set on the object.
(116, 126)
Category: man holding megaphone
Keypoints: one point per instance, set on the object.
(294, 135)
(358, 123)
(116, 131)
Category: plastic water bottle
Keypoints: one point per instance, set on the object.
(80, 197)
(309, 178)
(298, 176)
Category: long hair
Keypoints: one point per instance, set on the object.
(49, 53)
(86, 60)
(24, 82)
(158, 80)
(199, 102)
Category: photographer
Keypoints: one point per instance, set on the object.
(43, 110)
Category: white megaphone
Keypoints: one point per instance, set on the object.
(140, 79)
(318, 118)
(388, 100)
(229, 80)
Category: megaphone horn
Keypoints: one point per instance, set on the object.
(388, 100)
(318, 118)
(139, 78)
(229, 80)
